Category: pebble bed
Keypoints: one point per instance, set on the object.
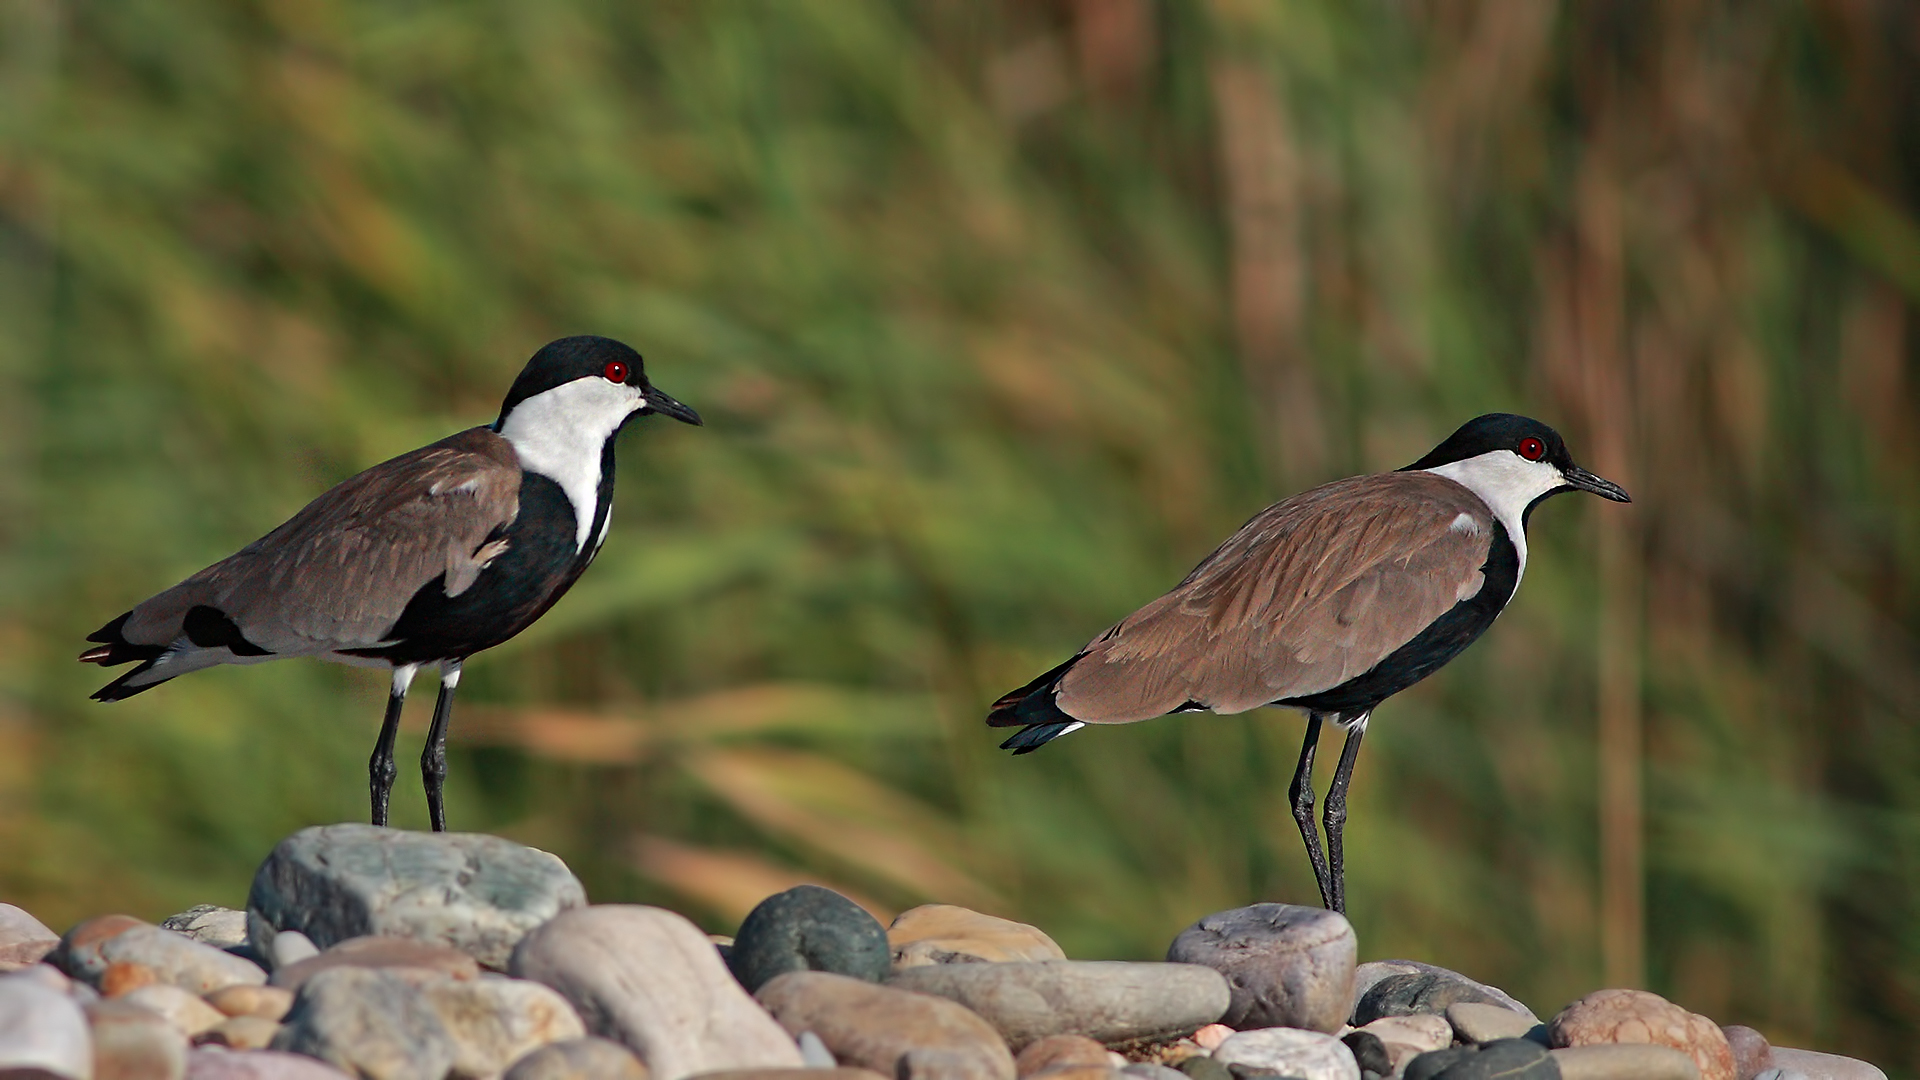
(395, 955)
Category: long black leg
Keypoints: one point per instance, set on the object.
(1337, 812)
(1301, 792)
(433, 760)
(380, 768)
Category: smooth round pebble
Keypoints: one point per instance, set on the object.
(1752, 1054)
(242, 1033)
(1109, 1001)
(41, 1028)
(257, 1065)
(1416, 992)
(1292, 1052)
(1821, 1066)
(494, 1022)
(1203, 1067)
(590, 1058)
(891, 1031)
(183, 1010)
(271, 1002)
(291, 947)
(369, 1022)
(1478, 1022)
(947, 934)
(378, 952)
(814, 1053)
(24, 940)
(808, 928)
(1625, 1061)
(1373, 972)
(1057, 1050)
(1502, 1059)
(223, 928)
(89, 949)
(1287, 965)
(132, 1043)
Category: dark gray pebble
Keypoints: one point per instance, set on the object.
(1506, 1059)
(808, 928)
(1369, 1052)
(1200, 1067)
(1420, 992)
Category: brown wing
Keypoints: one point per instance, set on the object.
(1310, 593)
(338, 574)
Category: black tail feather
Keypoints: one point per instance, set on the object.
(1034, 736)
(1032, 709)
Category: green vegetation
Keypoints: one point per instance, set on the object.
(1001, 315)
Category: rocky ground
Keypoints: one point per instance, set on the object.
(394, 955)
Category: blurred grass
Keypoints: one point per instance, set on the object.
(1001, 315)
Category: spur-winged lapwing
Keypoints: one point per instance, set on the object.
(422, 560)
(1329, 602)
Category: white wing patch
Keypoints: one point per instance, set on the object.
(1466, 524)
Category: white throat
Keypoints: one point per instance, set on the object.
(1508, 484)
(560, 434)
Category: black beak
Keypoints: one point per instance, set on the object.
(1582, 480)
(658, 402)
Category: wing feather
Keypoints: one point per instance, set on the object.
(1309, 594)
(338, 574)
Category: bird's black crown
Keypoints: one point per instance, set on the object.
(560, 362)
(1496, 431)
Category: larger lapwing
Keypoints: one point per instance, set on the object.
(1329, 602)
(422, 560)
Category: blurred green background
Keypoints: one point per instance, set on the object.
(1001, 314)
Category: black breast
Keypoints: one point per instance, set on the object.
(538, 566)
(1429, 651)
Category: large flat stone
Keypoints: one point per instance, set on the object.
(477, 893)
(649, 979)
(1110, 1001)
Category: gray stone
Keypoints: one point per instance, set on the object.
(223, 928)
(477, 893)
(1110, 1001)
(650, 979)
(1410, 994)
(1752, 1054)
(132, 1043)
(1820, 1066)
(24, 940)
(1625, 1061)
(1781, 1074)
(1288, 966)
(494, 1021)
(1477, 1022)
(1291, 1052)
(1203, 1067)
(368, 1022)
(90, 948)
(257, 1065)
(1501, 1059)
(41, 1028)
(289, 947)
(590, 1058)
(808, 928)
(890, 1031)
(814, 1053)
(1373, 972)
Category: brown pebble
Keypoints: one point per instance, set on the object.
(240, 1033)
(381, 952)
(124, 977)
(1055, 1051)
(268, 1002)
(1636, 1016)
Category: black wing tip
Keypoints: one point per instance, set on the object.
(1034, 711)
(118, 690)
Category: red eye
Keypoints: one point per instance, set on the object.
(1530, 448)
(617, 371)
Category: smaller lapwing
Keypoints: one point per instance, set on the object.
(422, 560)
(1329, 602)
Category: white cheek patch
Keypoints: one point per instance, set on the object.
(560, 434)
(1508, 484)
